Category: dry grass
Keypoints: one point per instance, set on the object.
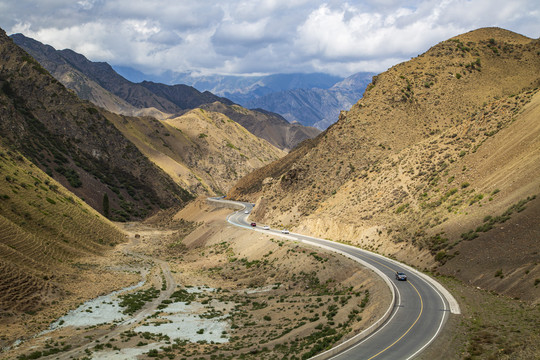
(45, 232)
(281, 299)
(491, 327)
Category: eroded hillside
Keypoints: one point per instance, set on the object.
(205, 152)
(434, 164)
(266, 125)
(44, 232)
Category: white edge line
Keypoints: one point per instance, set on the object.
(375, 325)
(389, 321)
(452, 302)
(439, 289)
(373, 328)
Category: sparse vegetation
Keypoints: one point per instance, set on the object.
(135, 301)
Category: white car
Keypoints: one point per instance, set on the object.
(266, 227)
(246, 212)
(285, 231)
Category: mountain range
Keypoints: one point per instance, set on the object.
(318, 107)
(310, 99)
(138, 164)
(100, 84)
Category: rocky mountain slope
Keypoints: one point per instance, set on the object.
(204, 151)
(62, 63)
(75, 143)
(100, 84)
(267, 125)
(310, 99)
(435, 165)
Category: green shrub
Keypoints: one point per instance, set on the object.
(402, 208)
(469, 235)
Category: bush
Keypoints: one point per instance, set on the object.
(402, 208)
(469, 235)
(441, 256)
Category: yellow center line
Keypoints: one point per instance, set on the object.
(409, 329)
(415, 321)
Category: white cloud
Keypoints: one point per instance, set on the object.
(86, 4)
(349, 33)
(267, 36)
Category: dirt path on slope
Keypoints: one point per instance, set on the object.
(243, 293)
(166, 282)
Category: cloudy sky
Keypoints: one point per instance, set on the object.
(259, 37)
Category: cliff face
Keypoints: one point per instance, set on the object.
(75, 143)
(438, 147)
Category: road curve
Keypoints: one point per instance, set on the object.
(420, 310)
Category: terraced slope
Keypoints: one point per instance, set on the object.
(435, 162)
(43, 228)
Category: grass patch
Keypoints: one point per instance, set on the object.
(492, 326)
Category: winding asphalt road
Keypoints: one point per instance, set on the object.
(419, 311)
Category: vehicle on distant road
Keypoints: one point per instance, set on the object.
(401, 276)
(266, 227)
(253, 224)
(285, 231)
(246, 212)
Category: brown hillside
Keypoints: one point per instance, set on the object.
(205, 152)
(72, 141)
(435, 146)
(44, 232)
(266, 125)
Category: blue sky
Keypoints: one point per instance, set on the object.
(259, 37)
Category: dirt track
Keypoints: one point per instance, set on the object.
(268, 291)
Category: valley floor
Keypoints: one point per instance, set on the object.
(212, 291)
